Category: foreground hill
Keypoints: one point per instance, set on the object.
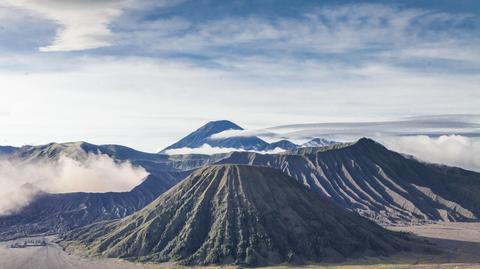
(54, 213)
(378, 183)
(233, 214)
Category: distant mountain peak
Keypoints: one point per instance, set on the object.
(282, 144)
(368, 142)
(202, 136)
(223, 124)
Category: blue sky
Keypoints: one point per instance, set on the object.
(144, 73)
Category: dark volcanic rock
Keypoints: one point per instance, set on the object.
(233, 214)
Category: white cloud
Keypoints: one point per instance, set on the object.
(209, 150)
(242, 133)
(81, 24)
(453, 150)
(95, 173)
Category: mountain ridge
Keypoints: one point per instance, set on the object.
(377, 183)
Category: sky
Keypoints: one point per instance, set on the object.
(146, 73)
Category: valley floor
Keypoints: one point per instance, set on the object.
(460, 243)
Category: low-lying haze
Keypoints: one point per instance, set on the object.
(97, 173)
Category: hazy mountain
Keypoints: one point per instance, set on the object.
(152, 162)
(53, 213)
(240, 142)
(378, 183)
(204, 134)
(319, 142)
(283, 144)
(231, 214)
(7, 150)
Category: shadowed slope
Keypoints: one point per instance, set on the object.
(226, 214)
(54, 213)
(378, 183)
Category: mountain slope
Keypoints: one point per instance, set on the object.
(378, 183)
(53, 213)
(230, 214)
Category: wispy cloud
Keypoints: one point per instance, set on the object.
(209, 150)
(242, 133)
(81, 24)
(429, 125)
(361, 31)
(348, 33)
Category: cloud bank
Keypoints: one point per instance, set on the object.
(454, 150)
(97, 173)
